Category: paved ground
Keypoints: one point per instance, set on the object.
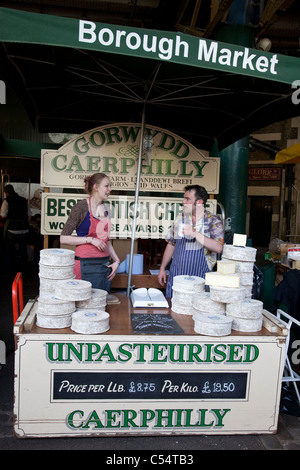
(287, 437)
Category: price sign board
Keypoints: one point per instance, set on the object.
(110, 384)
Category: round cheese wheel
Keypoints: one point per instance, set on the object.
(57, 257)
(181, 309)
(98, 300)
(75, 289)
(181, 297)
(48, 304)
(203, 303)
(248, 291)
(241, 266)
(249, 325)
(212, 325)
(249, 308)
(56, 272)
(47, 286)
(89, 321)
(246, 279)
(245, 253)
(188, 283)
(53, 321)
(227, 294)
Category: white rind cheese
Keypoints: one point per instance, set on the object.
(56, 272)
(249, 308)
(98, 300)
(53, 322)
(90, 321)
(75, 289)
(181, 297)
(181, 308)
(48, 286)
(202, 303)
(236, 253)
(241, 266)
(246, 279)
(188, 283)
(249, 325)
(212, 325)
(48, 304)
(227, 294)
(57, 257)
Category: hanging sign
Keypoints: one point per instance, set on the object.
(154, 215)
(167, 46)
(169, 162)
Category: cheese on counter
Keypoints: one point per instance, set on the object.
(212, 325)
(222, 280)
(226, 267)
(227, 294)
(237, 253)
(239, 239)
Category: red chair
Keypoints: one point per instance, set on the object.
(17, 296)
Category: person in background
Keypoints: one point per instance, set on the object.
(16, 212)
(193, 241)
(95, 258)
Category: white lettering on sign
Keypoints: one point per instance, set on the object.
(114, 150)
(236, 58)
(165, 47)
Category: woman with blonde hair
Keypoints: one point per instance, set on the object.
(90, 219)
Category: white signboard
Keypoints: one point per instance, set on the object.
(155, 215)
(169, 162)
(112, 385)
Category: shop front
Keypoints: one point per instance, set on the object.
(148, 371)
(161, 377)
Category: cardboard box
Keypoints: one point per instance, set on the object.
(296, 264)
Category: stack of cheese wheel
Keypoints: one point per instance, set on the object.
(55, 264)
(53, 312)
(247, 316)
(224, 284)
(209, 316)
(97, 300)
(203, 304)
(244, 258)
(184, 288)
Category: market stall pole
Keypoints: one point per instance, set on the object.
(138, 177)
(149, 374)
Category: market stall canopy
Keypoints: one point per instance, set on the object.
(289, 155)
(73, 75)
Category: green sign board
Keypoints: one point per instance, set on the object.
(166, 46)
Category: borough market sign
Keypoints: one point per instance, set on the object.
(180, 48)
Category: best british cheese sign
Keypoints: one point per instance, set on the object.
(168, 161)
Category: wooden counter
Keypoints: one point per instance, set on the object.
(129, 382)
(121, 324)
